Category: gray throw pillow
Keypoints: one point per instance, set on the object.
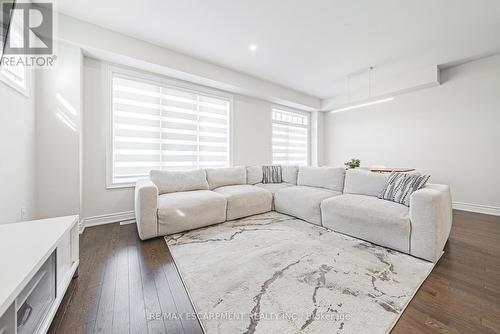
(400, 186)
(272, 174)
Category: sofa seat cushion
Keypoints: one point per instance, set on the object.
(187, 210)
(245, 200)
(302, 202)
(366, 217)
(274, 187)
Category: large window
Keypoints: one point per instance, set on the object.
(157, 125)
(290, 137)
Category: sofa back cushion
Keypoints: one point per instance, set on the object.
(322, 177)
(220, 177)
(364, 182)
(254, 174)
(175, 181)
(289, 173)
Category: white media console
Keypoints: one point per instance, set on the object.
(38, 259)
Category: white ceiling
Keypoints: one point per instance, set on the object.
(306, 45)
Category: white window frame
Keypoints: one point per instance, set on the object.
(5, 76)
(295, 111)
(14, 85)
(155, 79)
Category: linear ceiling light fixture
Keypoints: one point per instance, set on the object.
(366, 103)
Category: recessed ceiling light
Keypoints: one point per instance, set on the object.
(252, 47)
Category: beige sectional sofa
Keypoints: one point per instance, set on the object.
(344, 201)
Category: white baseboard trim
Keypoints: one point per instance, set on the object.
(126, 222)
(127, 217)
(81, 226)
(486, 209)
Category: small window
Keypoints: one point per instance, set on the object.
(160, 126)
(290, 137)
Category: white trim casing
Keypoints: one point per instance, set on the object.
(164, 81)
(107, 219)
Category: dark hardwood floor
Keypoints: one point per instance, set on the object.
(125, 285)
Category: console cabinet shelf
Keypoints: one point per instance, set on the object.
(38, 259)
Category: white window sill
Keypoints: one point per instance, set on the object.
(120, 186)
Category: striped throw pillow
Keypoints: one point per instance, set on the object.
(400, 186)
(272, 174)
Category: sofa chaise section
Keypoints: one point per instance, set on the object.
(420, 229)
(369, 218)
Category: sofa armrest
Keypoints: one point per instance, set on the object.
(146, 204)
(431, 217)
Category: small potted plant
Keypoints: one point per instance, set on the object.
(353, 163)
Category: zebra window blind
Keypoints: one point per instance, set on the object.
(290, 137)
(157, 126)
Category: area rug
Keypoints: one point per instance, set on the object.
(273, 273)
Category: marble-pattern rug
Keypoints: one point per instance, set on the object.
(273, 273)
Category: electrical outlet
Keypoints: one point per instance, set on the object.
(24, 213)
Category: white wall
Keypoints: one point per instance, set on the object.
(58, 107)
(451, 132)
(96, 199)
(113, 46)
(317, 138)
(251, 142)
(252, 131)
(17, 153)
